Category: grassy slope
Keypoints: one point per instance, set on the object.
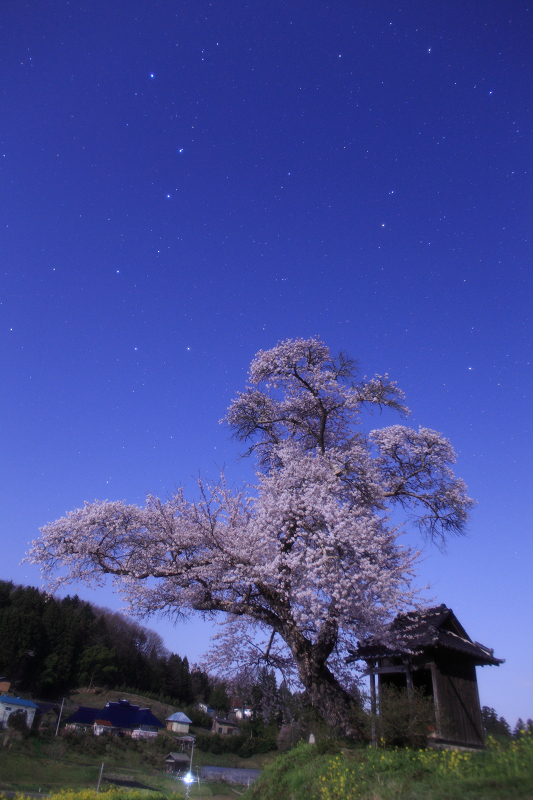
(502, 773)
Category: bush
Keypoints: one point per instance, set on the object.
(199, 718)
(403, 722)
(18, 721)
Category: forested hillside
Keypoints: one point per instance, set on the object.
(51, 645)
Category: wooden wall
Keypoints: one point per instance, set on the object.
(458, 701)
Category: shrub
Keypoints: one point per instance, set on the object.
(18, 721)
(199, 718)
(404, 722)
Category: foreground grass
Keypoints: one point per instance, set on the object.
(204, 792)
(503, 772)
(50, 765)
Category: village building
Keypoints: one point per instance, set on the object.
(120, 717)
(9, 705)
(177, 763)
(178, 722)
(224, 727)
(431, 651)
(240, 710)
(47, 714)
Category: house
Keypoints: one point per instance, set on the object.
(224, 727)
(46, 715)
(178, 723)
(5, 685)
(206, 709)
(431, 651)
(9, 705)
(177, 763)
(120, 717)
(240, 710)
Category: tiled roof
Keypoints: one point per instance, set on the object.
(183, 757)
(16, 701)
(223, 721)
(121, 714)
(179, 716)
(419, 630)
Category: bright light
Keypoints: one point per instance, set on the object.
(188, 778)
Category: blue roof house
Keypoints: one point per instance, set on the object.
(120, 717)
(178, 722)
(8, 705)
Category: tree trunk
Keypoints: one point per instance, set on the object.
(338, 708)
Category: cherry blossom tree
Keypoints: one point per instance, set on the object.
(304, 565)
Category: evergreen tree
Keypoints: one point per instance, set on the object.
(495, 726)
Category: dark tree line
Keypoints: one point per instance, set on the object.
(499, 728)
(49, 646)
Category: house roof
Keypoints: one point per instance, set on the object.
(84, 716)
(179, 716)
(16, 701)
(178, 757)
(120, 714)
(45, 708)
(228, 722)
(418, 631)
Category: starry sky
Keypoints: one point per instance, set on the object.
(184, 183)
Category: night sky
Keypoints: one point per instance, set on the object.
(185, 183)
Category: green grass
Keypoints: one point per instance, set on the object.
(50, 764)
(503, 772)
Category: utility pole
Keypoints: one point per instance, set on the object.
(59, 718)
(100, 777)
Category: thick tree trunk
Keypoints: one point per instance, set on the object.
(338, 708)
(335, 705)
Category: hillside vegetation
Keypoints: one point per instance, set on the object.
(503, 772)
(51, 645)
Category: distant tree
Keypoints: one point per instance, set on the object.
(523, 728)
(177, 679)
(200, 684)
(493, 725)
(97, 666)
(266, 702)
(219, 700)
(308, 565)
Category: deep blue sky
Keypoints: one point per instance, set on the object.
(185, 183)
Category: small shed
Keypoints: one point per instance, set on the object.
(224, 727)
(177, 763)
(178, 722)
(431, 651)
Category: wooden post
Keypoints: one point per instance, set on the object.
(409, 681)
(373, 709)
(436, 703)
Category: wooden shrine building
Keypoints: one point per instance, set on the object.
(431, 651)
